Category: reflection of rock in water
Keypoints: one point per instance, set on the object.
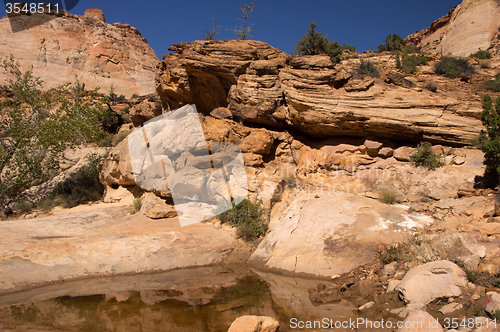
(206, 299)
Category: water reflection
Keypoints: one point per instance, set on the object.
(202, 299)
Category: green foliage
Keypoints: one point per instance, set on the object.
(410, 49)
(135, 206)
(313, 43)
(247, 218)
(481, 55)
(492, 85)
(349, 48)
(212, 34)
(368, 68)
(135, 95)
(244, 32)
(83, 187)
(490, 140)
(409, 63)
(24, 206)
(426, 157)
(393, 43)
(453, 67)
(34, 131)
(432, 87)
(391, 254)
(388, 196)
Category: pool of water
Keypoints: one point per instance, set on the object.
(200, 299)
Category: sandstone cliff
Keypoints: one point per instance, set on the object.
(264, 86)
(472, 25)
(84, 48)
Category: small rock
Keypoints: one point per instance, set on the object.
(490, 228)
(495, 297)
(491, 269)
(449, 308)
(392, 285)
(472, 261)
(254, 324)
(389, 268)
(221, 113)
(366, 306)
(386, 152)
(458, 160)
(492, 307)
(404, 153)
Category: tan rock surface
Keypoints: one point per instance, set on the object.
(336, 232)
(470, 26)
(102, 241)
(83, 48)
(254, 324)
(267, 87)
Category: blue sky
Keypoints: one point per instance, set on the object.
(362, 23)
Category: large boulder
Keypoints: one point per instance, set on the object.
(86, 47)
(427, 282)
(330, 246)
(420, 321)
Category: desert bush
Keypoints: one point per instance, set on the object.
(481, 54)
(135, 95)
(349, 48)
(490, 140)
(243, 32)
(453, 67)
(409, 63)
(247, 218)
(24, 206)
(119, 137)
(392, 43)
(485, 64)
(388, 196)
(37, 126)
(368, 68)
(426, 157)
(391, 254)
(432, 87)
(492, 85)
(82, 188)
(410, 49)
(313, 43)
(106, 141)
(135, 206)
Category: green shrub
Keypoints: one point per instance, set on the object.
(82, 188)
(426, 157)
(432, 87)
(135, 206)
(313, 43)
(135, 95)
(391, 254)
(106, 141)
(349, 48)
(490, 140)
(453, 67)
(24, 206)
(481, 55)
(388, 196)
(393, 43)
(409, 63)
(368, 68)
(119, 137)
(492, 85)
(485, 64)
(410, 49)
(247, 218)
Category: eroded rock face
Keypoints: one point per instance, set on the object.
(470, 26)
(82, 48)
(262, 85)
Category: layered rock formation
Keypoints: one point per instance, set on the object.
(262, 85)
(471, 26)
(84, 49)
